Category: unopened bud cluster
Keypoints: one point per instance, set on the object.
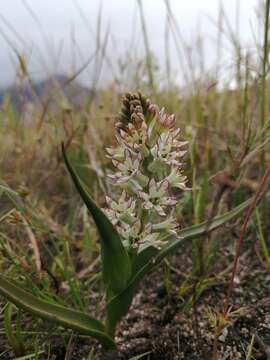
(148, 159)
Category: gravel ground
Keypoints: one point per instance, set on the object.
(158, 325)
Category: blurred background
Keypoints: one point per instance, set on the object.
(109, 39)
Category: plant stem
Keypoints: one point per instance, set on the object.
(264, 73)
(251, 208)
(110, 330)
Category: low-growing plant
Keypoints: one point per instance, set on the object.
(139, 228)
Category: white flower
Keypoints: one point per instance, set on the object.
(135, 138)
(176, 179)
(167, 150)
(169, 224)
(124, 210)
(157, 198)
(128, 168)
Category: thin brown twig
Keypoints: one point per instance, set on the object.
(33, 243)
(227, 307)
(251, 208)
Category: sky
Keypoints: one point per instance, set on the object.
(59, 36)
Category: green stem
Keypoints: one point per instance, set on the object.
(263, 92)
(264, 73)
(110, 329)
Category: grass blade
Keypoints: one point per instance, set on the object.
(14, 339)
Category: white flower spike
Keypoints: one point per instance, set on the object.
(148, 159)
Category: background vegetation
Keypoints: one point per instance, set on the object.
(48, 242)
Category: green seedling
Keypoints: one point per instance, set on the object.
(14, 337)
(139, 228)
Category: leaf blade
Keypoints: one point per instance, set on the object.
(73, 319)
(115, 260)
(202, 229)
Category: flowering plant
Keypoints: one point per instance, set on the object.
(140, 228)
(149, 162)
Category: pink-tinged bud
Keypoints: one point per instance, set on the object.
(164, 185)
(170, 201)
(160, 211)
(175, 133)
(142, 195)
(108, 200)
(119, 126)
(182, 143)
(147, 206)
(153, 109)
(123, 134)
(182, 153)
(112, 176)
(115, 163)
(140, 116)
(109, 151)
(152, 184)
(170, 121)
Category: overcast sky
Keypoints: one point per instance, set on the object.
(58, 36)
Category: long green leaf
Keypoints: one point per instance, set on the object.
(201, 229)
(143, 258)
(116, 267)
(150, 257)
(60, 315)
